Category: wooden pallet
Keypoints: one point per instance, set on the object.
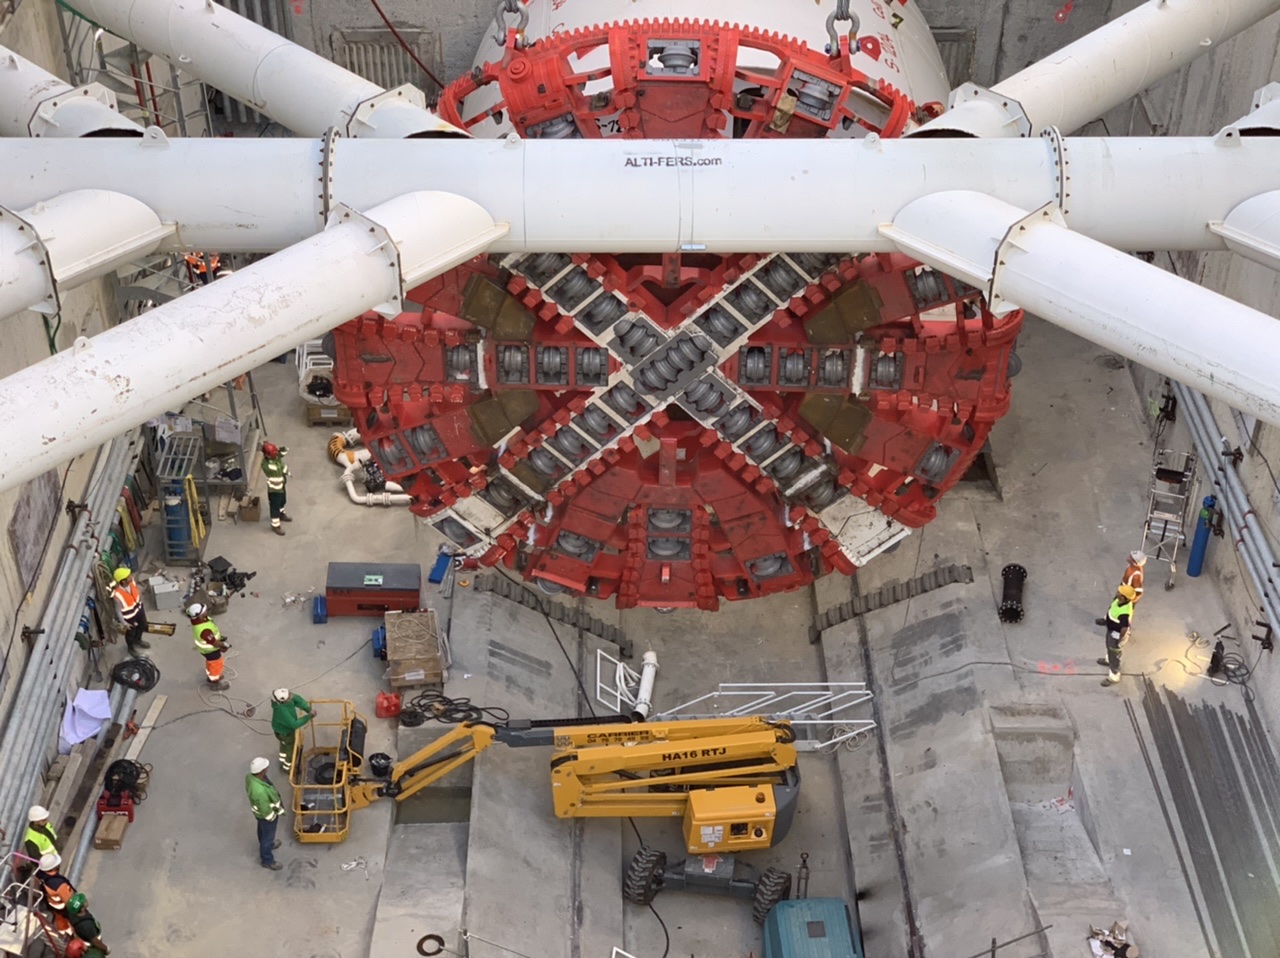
(415, 653)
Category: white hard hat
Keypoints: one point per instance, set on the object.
(1138, 557)
(49, 861)
(259, 764)
(37, 813)
(195, 610)
(280, 695)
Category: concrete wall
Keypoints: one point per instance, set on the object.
(456, 30)
(1211, 93)
(33, 31)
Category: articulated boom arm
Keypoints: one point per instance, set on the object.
(607, 768)
(654, 778)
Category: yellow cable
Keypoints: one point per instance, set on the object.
(193, 509)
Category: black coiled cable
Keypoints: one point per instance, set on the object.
(434, 706)
(140, 674)
(125, 775)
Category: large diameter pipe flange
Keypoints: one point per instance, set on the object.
(1252, 229)
(26, 272)
(399, 114)
(976, 111)
(90, 110)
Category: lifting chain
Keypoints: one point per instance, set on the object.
(842, 12)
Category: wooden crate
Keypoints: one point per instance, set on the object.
(415, 653)
(110, 831)
(336, 415)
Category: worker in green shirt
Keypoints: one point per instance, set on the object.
(267, 809)
(285, 722)
(277, 474)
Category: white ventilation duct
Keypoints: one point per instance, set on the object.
(1101, 70)
(71, 402)
(295, 87)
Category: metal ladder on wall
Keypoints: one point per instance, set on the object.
(1169, 500)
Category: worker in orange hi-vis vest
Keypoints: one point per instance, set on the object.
(128, 598)
(1133, 574)
(209, 643)
(1133, 579)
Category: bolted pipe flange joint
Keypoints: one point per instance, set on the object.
(1014, 577)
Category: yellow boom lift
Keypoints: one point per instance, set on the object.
(733, 781)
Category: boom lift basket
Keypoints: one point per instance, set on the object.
(328, 753)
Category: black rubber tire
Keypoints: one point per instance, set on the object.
(773, 886)
(643, 879)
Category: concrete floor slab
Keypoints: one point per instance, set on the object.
(417, 901)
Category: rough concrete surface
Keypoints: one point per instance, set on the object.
(1004, 789)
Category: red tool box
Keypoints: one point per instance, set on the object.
(372, 588)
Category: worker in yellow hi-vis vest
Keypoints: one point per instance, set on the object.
(1119, 620)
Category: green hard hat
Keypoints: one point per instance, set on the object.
(76, 904)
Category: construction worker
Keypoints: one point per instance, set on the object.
(1133, 574)
(285, 722)
(78, 949)
(56, 888)
(267, 808)
(129, 604)
(1133, 578)
(1119, 619)
(40, 839)
(277, 473)
(201, 268)
(83, 925)
(209, 643)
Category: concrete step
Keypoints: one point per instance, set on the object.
(531, 877)
(417, 901)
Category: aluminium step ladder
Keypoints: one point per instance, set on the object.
(1169, 501)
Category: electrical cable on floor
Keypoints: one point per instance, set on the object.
(404, 46)
(140, 673)
(433, 706)
(242, 717)
(577, 676)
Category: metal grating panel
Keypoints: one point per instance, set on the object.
(379, 58)
(957, 46)
(266, 13)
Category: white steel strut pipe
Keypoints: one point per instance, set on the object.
(34, 102)
(75, 400)
(295, 87)
(69, 240)
(660, 196)
(1101, 70)
(1031, 261)
(644, 695)
(1252, 229)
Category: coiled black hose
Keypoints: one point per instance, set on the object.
(125, 775)
(140, 674)
(433, 706)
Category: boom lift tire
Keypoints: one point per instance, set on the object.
(773, 886)
(643, 880)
